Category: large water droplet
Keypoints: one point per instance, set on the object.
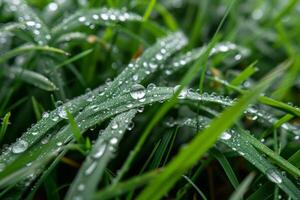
(62, 113)
(20, 146)
(137, 91)
(274, 176)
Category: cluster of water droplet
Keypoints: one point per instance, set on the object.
(30, 22)
(94, 17)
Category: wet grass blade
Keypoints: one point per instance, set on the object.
(204, 140)
(25, 48)
(92, 169)
(30, 77)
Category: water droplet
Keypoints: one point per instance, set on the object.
(225, 136)
(81, 187)
(151, 86)
(34, 133)
(114, 125)
(95, 17)
(52, 6)
(137, 92)
(45, 115)
(62, 113)
(91, 168)
(81, 19)
(113, 140)
(274, 176)
(158, 56)
(100, 151)
(104, 16)
(30, 23)
(20, 146)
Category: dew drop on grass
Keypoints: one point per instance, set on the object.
(45, 115)
(34, 133)
(90, 169)
(20, 146)
(81, 187)
(274, 176)
(113, 140)
(100, 152)
(62, 113)
(81, 19)
(137, 92)
(151, 86)
(114, 125)
(225, 136)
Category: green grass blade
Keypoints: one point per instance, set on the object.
(243, 187)
(30, 77)
(26, 48)
(203, 141)
(4, 125)
(92, 169)
(226, 166)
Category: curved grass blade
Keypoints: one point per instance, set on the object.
(30, 77)
(93, 167)
(25, 48)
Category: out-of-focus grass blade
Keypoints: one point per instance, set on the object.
(295, 159)
(92, 169)
(243, 187)
(244, 75)
(25, 48)
(30, 77)
(204, 140)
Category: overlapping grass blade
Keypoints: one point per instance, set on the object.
(188, 156)
(93, 167)
(238, 141)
